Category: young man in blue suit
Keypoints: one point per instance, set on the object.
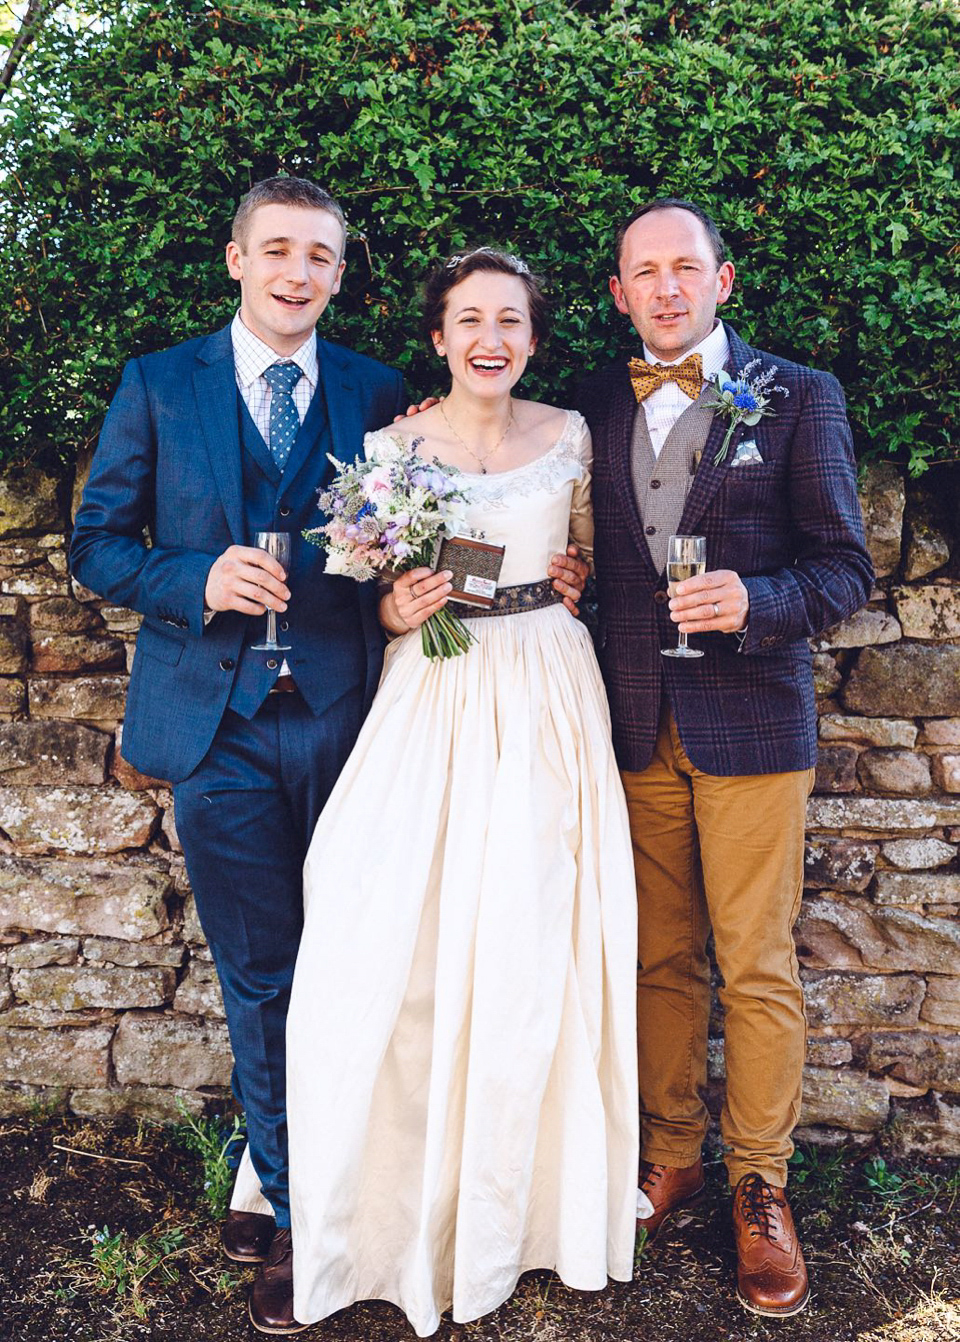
(717, 752)
(204, 445)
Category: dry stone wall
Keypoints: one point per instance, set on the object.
(108, 999)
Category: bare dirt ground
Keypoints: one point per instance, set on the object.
(106, 1236)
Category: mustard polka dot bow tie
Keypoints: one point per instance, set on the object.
(647, 377)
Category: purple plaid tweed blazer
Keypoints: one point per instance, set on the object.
(791, 526)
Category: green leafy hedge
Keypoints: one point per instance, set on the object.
(820, 136)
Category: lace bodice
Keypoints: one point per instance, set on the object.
(534, 509)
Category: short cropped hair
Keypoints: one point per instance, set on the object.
(489, 259)
(283, 191)
(671, 203)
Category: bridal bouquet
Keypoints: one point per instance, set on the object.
(387, 515)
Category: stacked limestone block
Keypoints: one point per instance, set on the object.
(878, 935)
(108, 1001)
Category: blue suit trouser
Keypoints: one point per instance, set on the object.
(245, 818)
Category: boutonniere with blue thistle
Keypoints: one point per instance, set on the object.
(745, 400)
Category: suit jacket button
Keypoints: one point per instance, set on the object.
(655, 484)
(284, 512)
(661, 598)
(767, 642)
(284, 626)
(227, 664)
(272, 664)
(651, 531)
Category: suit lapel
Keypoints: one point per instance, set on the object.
(306, 439)
(251, 440)
(343, 404)
(215, 387)
(620, 440)
(710, 477)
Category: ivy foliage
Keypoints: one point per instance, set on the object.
(821, 136)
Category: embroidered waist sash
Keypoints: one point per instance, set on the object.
(514, 600)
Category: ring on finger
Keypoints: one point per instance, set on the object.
(716, 610)
(413, 591)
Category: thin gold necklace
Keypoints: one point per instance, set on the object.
(496, 447)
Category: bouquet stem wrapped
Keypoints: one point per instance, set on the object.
(387, 515)
(444, 635)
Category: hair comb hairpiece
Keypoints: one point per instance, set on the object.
(519, 266)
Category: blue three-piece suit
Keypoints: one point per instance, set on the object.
(180, 456)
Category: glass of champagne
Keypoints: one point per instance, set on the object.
(686, 558)
(276, 544)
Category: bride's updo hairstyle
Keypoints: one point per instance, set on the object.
(458, 267)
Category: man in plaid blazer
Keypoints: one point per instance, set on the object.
(717, 752)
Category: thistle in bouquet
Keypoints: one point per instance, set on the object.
(387, 515)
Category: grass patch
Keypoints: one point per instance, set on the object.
(819, 1173)
(215, 1145)
(120, 1265)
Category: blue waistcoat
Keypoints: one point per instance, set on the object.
(332, 602)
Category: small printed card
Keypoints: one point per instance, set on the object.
(475, 566)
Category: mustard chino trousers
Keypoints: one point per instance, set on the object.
(725, 853)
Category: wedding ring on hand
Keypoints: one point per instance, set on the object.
(716, 610)
(413, 591)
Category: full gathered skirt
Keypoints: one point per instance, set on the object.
(462, 1090)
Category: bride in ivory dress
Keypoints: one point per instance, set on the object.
(462, 1090)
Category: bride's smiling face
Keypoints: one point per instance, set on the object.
(487, 334)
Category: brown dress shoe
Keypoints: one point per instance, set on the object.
(246, 1236)
(668, 1188)
(271, 1299)
(771, 1273)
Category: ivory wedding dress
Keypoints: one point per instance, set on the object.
(462, 1090)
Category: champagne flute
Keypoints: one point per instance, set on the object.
(686, 558)
(276, 544)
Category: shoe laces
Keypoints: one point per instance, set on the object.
(650, 1173)
(760, 1206)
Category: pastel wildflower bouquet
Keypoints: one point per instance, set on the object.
(387, 514)
(745, 400)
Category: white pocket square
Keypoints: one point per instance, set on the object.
(747, 454)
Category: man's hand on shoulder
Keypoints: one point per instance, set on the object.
(714, 602)
(569, 573)
(415, 409)
(247, 580)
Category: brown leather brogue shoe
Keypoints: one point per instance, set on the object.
(271, 1299)
(666, 1189)
(246, 1236)
(771, 1273)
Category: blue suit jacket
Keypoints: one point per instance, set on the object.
(169, 460)
(790, 526)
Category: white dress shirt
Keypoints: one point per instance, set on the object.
(252, 357)
(664, 406)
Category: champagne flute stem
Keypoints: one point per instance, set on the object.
(682, 641)
(271, 626)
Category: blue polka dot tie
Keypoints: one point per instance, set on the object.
(284, 420)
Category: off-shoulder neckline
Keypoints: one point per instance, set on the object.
(571, 419)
